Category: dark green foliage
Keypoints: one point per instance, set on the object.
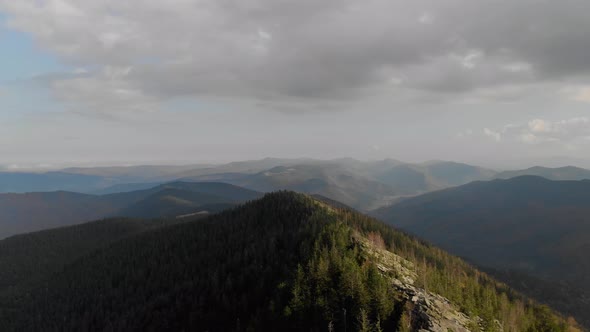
(30, 258)
(339, 286)
(198, 276)
(285, 262)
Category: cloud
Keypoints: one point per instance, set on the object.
(538, 131)
(302, 50)
(496, 136)
(582, 94)
(107, 91)
(464, 134)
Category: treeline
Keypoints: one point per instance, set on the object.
(281, 263)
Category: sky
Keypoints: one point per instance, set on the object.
(499, 83)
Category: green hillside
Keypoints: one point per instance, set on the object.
(284, 262)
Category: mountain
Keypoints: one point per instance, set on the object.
(20, 213)
(533, 232)
(183, 198)
(125, 188)
(408, 179)
(244, 167)
(448, 174)
(330, 180)
(419, 178)
(364, 185)
(99, 180)
(138, 173)
(402, 178)
(11, 182)
(560, 173)
(284, 262)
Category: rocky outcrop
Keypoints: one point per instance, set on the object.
(428, 312)
(432, 312)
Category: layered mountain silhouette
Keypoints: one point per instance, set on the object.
(366, 185)
(362, 185)
(330, 180)
(283, 262)
(375, 181)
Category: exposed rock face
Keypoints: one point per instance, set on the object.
(432, 312)
(428, 312)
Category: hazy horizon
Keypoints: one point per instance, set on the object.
(555, 162)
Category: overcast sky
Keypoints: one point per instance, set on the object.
(499, 83)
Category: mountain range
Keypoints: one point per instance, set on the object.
(283, 262)
(530, 232)
(364, 185)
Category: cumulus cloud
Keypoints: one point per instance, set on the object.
(302, 49)
(538, 131)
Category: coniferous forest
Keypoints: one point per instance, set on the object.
(285, 262)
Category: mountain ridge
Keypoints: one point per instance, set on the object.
(285, 261)
(515, 225)
(20, 213)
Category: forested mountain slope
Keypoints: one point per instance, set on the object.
(284, 262)
(533, 231)
(29, 258)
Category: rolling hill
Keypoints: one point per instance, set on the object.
(284, 262)
(139, 173)
(557, 174)
(20, 213)
(413, 179)
(531, 231)
(366, 185)
(182, 198)
(330, 180)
